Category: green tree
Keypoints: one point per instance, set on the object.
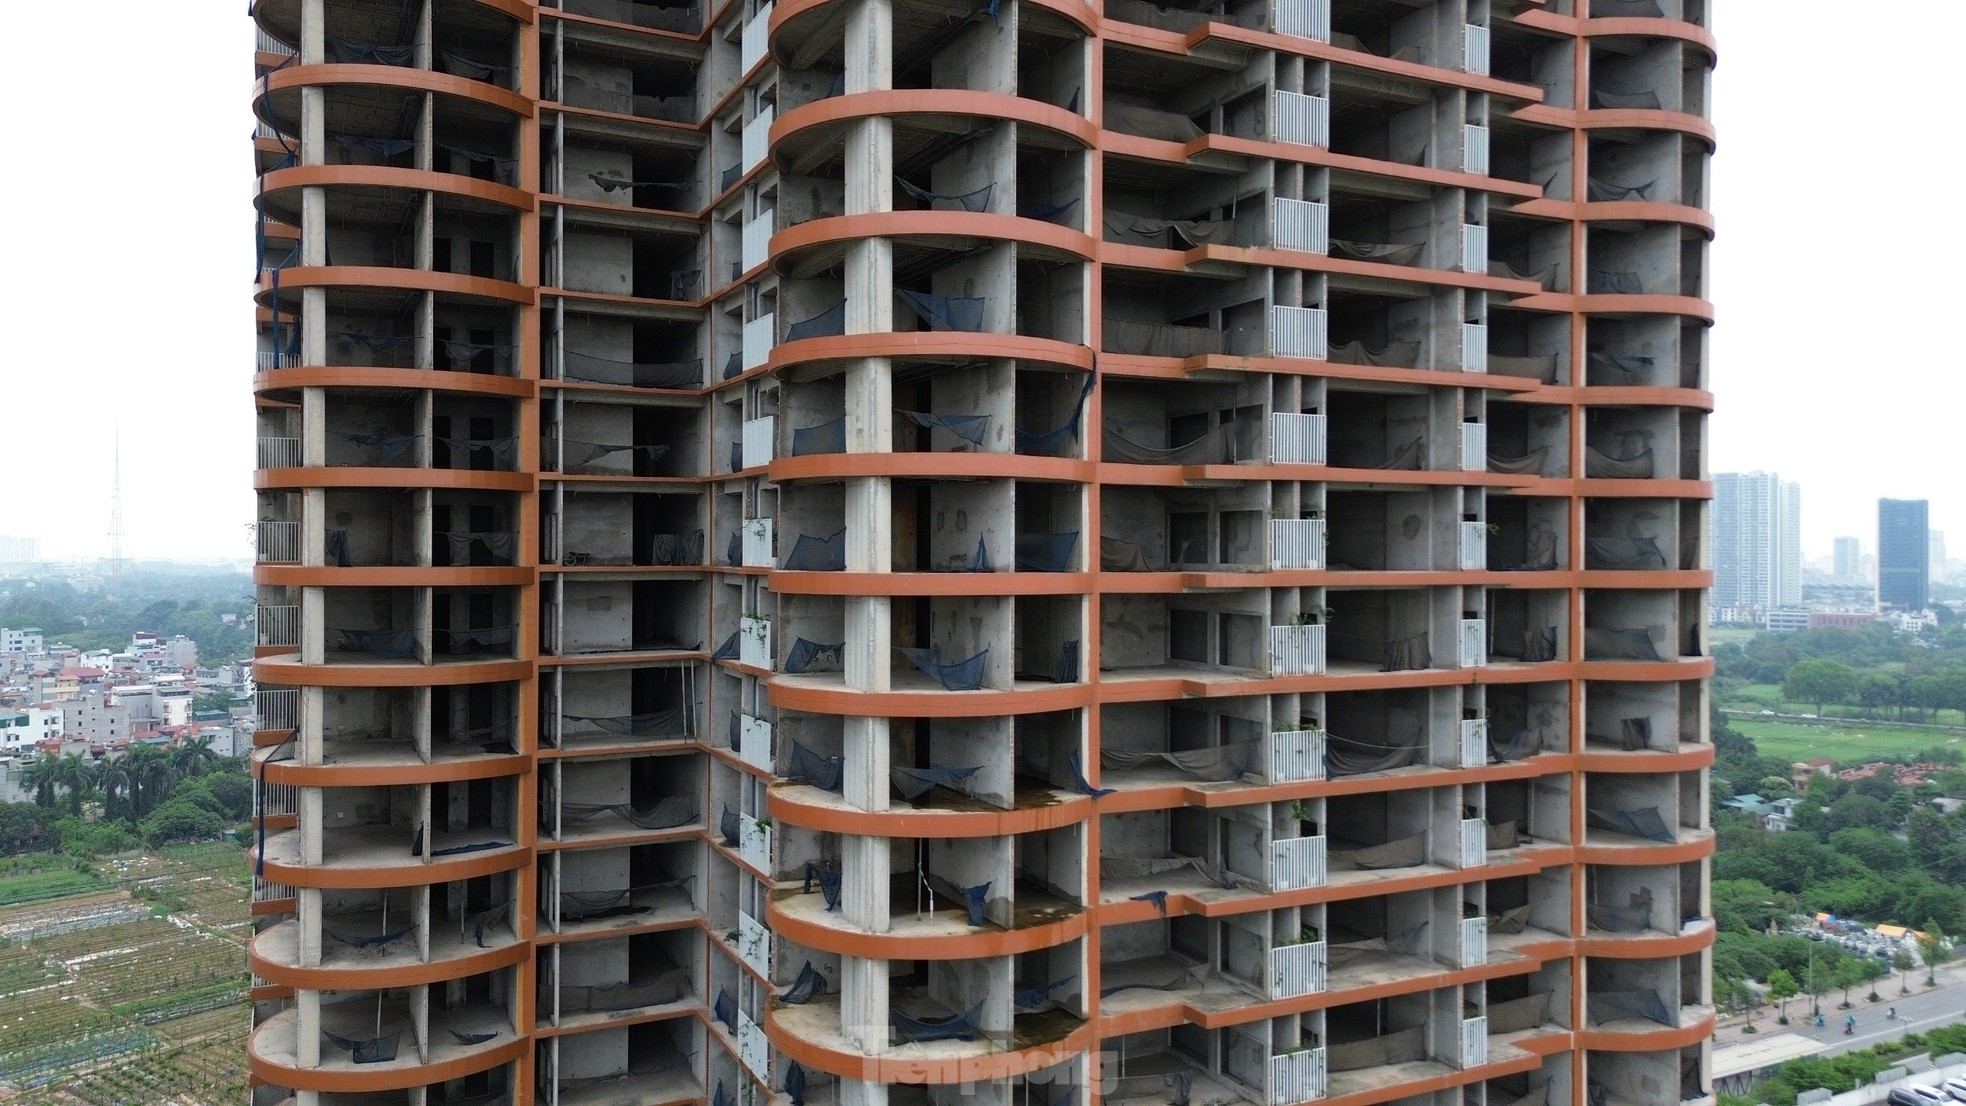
(180, 820)
(1782, 988)
(1842, 977)
(1932, 949)
(1903, 962)
(150, 769)
(1819, 681)
(194, 757)
(74, 776)
(39, 778)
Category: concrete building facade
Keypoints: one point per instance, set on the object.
(1757, 543)
(1848, 559)
(880, 552)
(1904, 569)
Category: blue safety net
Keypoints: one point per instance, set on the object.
(945, 312)
(975, 200)
(725, 1009)
(728, 650)
(673, 722)
(734, 366)
(502, 164)
(728, 826)
(808, 986)
(828, 322)
(730, 176)
(487, 921)
(476, 639)
(392, 448)
(976, 562)
(810, 554)
(827, 437)
(386, 147)
(1643, 822)
(346, 51)
(957, 1027)
(1524, 743)
(1052, 443)
(1078, 779)
(468, 452)
(683, 282)
(828, 881)
(969, 428)
(1030, 998)
(587, 368)
(1047, 212)
(676, 810)
(1609, 368)
(962, 675)
(824, 772)
(387, 644)
(498, 545)
(375, 343)
(975, 898)
(368, 1050)
(1067, 670)
(1603, 191)
(1621, 282)
(378, 941)
(1158, 898)
(580, 453)
(812, 656)
(416, 846)
(795, 1080)
(1046, 552)
(1611, 1006)
(473, 1038)
(1624, 554)
(335, 548)
(676, 549)
(472, 68)
(913, 783)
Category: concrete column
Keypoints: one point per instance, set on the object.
(869, 41)
(314, 430)
(865, 864)
(313, 32)
(860, 1092)
(307, 804)
(307, 902)
(863, 1003)
(307, 1042)
(313, 636)
(308, 743)
(866, 752)
(869, 636)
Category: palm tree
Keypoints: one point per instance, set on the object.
(151, 777)
(112, 778)
(73, 775)
(193, 758)
(39, 777)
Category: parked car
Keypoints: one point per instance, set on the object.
(1956, 1088)
(1914, 1095)
(1769, 713)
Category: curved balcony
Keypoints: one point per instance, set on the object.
(1039, 920)
(805, 20)
(381, 283)
(384, 764)
(796, 134)
(1671, 1027)
(287, 670)
(1603, 846)
(913, 695)
(960, 231)
(353, 89)
(379, 857)
(349, 187)
(455, 953)
(1692, 935)
(939, 814)
(813, 1035)
(280, 19)
(274, 1056)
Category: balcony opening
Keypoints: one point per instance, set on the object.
(605, 798)
(595, 889)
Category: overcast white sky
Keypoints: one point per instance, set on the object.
(126, 292)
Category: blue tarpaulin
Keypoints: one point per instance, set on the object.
(807, 987)
(810, 554)
(370, 1050)
(1052, 443)
(828, 881)
(828, 322)
(945, 312)
(1046, 552)
(827, 437)
(962, 675)
(969, 428)
(913, 783)
(978, 562)
(1078, 779)
(959, 1027)
(824, 772)
(977, 200)
(812, 656)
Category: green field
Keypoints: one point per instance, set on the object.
(45, 884)
(1847, 744)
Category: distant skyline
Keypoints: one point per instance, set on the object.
(134, 303)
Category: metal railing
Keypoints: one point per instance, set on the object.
(1474, 546)
(754, 943)
(279, 453)
(277, 543)
(759, 335)
(1474, 842)
(1474, 149)
(276, 625)
(760, 441)
(1297, 438)
(1474, 1042)
(1302, 119)
(1297, 650)
(1296, 756)
(1296, 543)
(1297, 331)
(267, 360)
(756, 240)
(277, 708)
(751, 48)
(1474, 642)
(1474, 248)
(756, 142)
(754, 842)
(754, 642)
(1300, 225)
(1474, 447)
(1297, 1077)
(1474, 52)
(755, 735)
(1474, 347)
(1297, 863)
(1474, 942)
(1297, 970)
(1304, 19)
(1474, 742)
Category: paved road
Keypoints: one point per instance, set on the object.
(1921, 1010)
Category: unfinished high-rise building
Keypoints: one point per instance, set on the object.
(889, 552)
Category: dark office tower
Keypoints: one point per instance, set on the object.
(1904, 567)
(886, 552)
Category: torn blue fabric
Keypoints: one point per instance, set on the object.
(969, 428)
(962, 675)
(1158, 898)
(1078, 780)
(829, 884)
(824, 772)
(945, 312)
(810, 554)
(813, 656)
(827, 437)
